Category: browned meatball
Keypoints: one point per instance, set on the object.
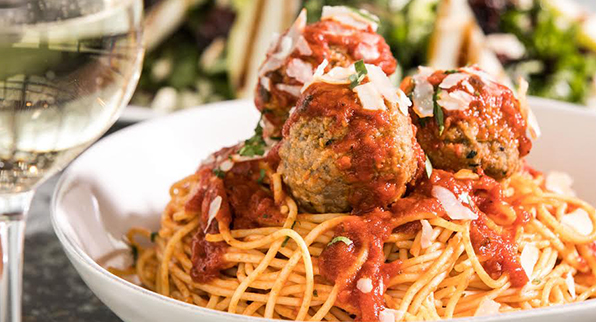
(294, 56)
(340, 153)
(467, 121)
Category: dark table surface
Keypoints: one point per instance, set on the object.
(52, 289)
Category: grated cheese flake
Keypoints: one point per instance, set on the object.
(426, 235)
(579, 221)
(454, 208)
(364, 285)
(487, 307)
(423, 92)
(214, 207)
(453, 79)
(528, 259)
(369, 97)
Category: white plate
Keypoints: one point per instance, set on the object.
(123, 181)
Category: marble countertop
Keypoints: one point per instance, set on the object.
(52, 289)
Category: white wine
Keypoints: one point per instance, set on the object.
(62, 84)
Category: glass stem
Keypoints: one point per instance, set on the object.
(13, 210)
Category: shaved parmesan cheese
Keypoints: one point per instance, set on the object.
(317, 75)
(266, 83)
(484, 76)
(453, 79)
(423, 92)
(454, 208)
(578, 220)
(533, 130)
(284, 46)
(487, 307)
(403, 102)
(214, 207)
(456, 100)
(226, 165)
(391, 315)
(303, 47)
(528, 258)
(366, 52)
(338, 75)
(350, 17)
(300, 70)
(570, 282)
(427, 234)
(369, 97)
(364, 285)
(468, 86)
(559, 182)
(383, 84)
(294, 90)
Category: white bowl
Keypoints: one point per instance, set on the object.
(123, 181)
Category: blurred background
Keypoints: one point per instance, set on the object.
(202, 51)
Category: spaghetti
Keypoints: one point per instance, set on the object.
(276, 272)
(389, 242)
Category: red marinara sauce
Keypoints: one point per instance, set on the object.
(497, 251)
(246, 203)
(340, 261)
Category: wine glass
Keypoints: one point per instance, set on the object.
(67, 68)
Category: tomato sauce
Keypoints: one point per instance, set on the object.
(338, 261)
(496, 251)
(247, 202)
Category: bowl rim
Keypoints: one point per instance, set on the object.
(71, 248)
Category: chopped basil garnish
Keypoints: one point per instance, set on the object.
(153, 236)
(361, 71)
(429, 167)
(342, 239)
(261, 176)
(287, 238)
(256, 144)
(219, 173)
(438, 112)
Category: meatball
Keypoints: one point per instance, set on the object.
(293, 57)
(348, 149)
(465, 120)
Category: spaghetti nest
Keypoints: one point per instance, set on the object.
(279, 272)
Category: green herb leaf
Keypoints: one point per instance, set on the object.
(438, 112)
(287, 238)
(450, 71)
(428, 166)
(315, 293)
(342, 239)
(153, 236)
(361, 72)
(536, 281)
(256, 144)
(219, 173)
(261, 176)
